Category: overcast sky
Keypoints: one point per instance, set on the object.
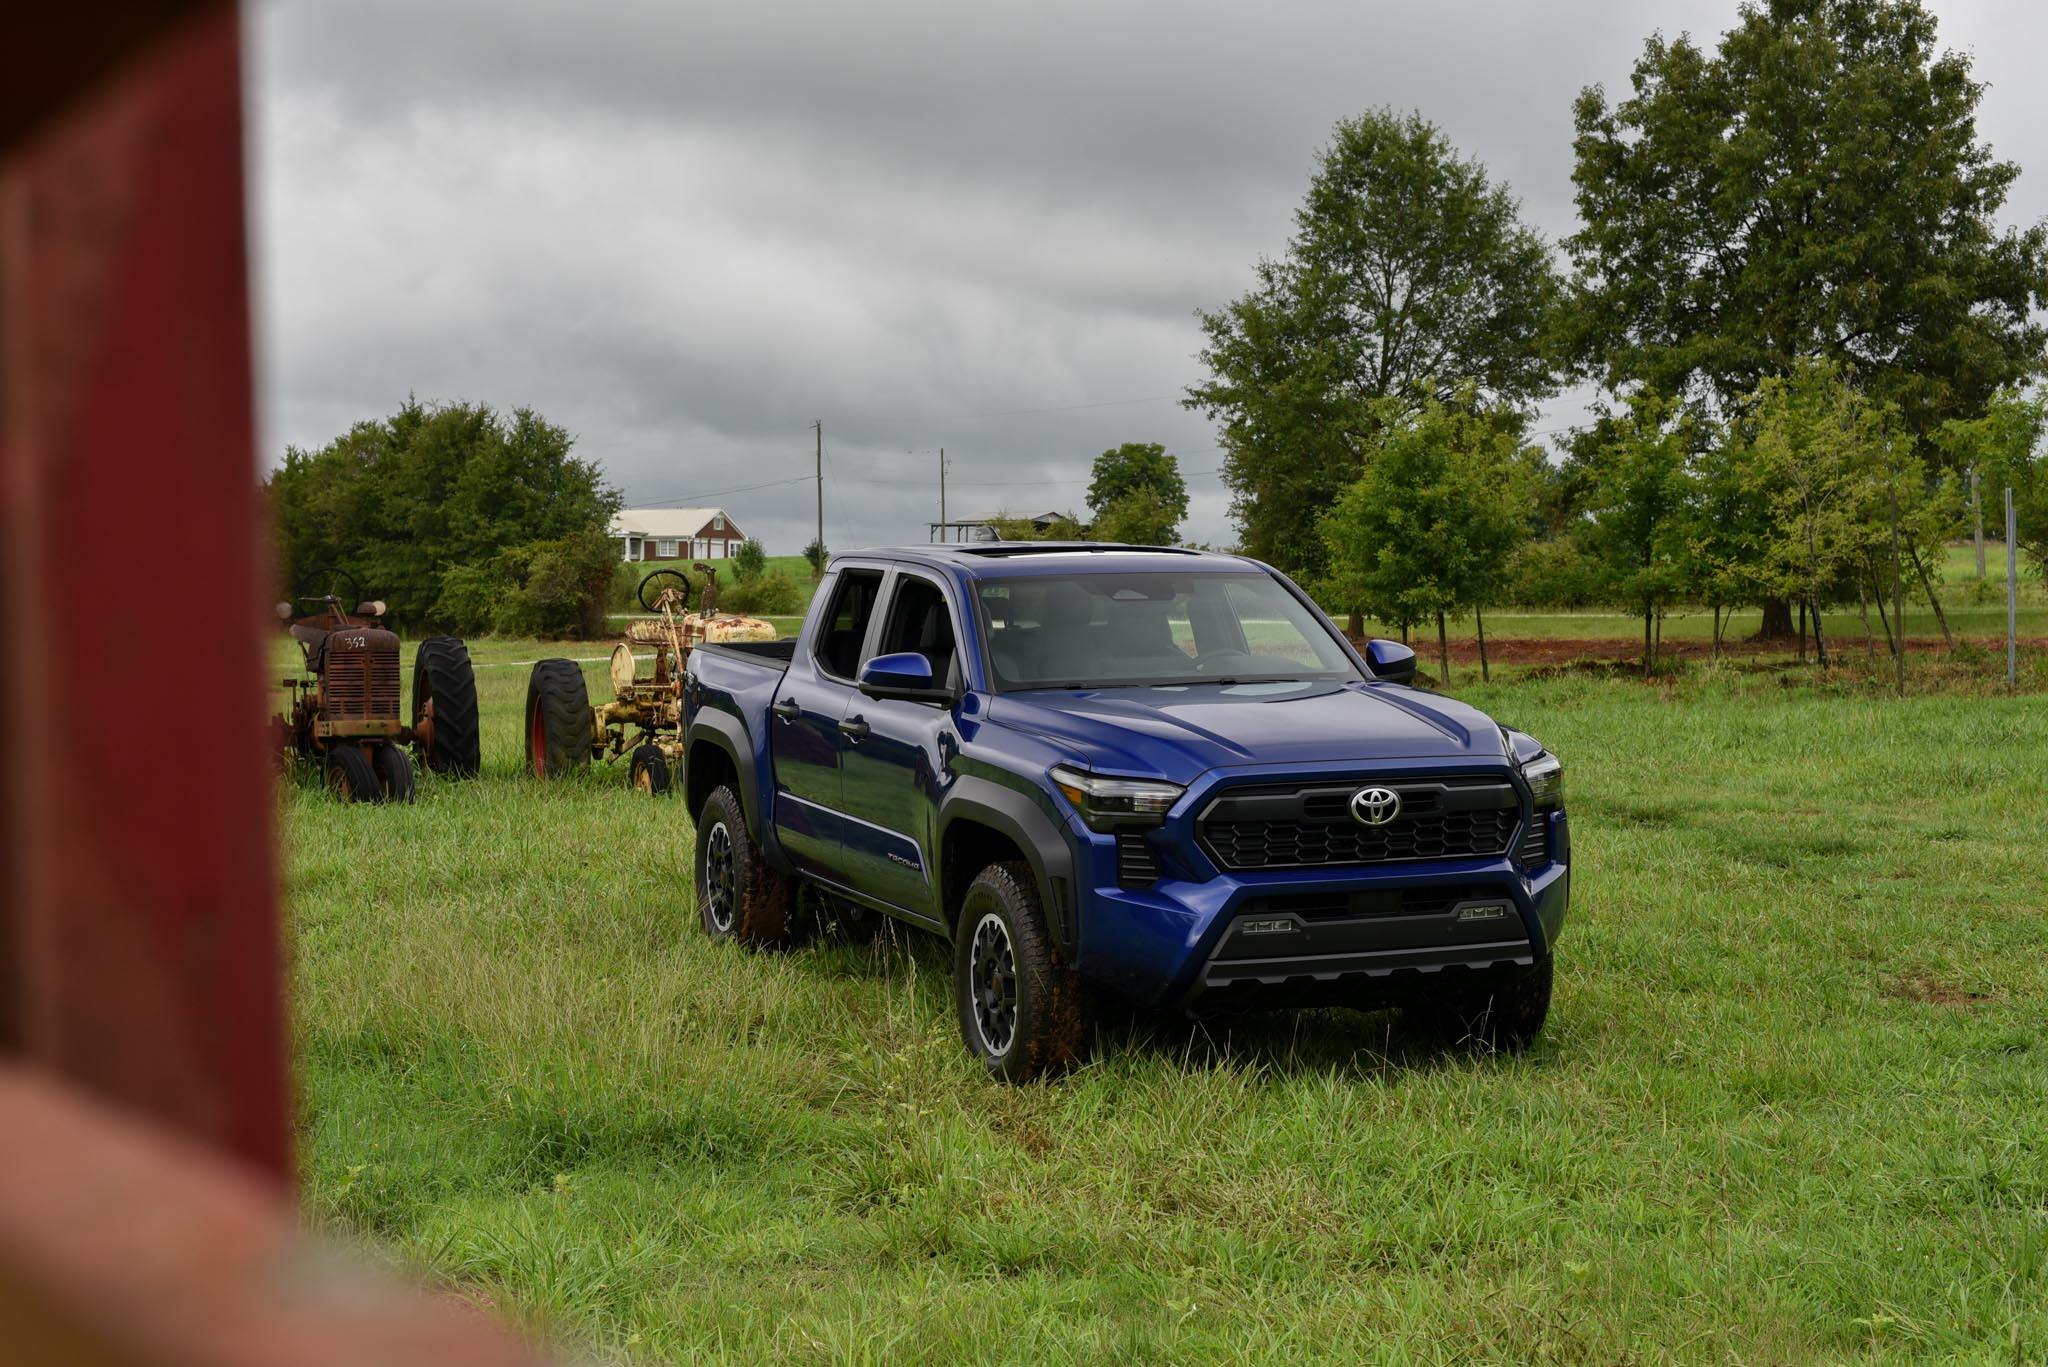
(685, 231)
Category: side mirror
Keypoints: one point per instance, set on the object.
(1391, 661)
(906, 675)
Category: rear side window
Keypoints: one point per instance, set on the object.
(846, 625)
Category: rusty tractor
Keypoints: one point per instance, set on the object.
(343, 712)
(564, 732)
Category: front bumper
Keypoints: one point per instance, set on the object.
(1208, 938)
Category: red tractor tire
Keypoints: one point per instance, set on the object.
(558, 720)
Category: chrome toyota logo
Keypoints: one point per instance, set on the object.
(1375, 806)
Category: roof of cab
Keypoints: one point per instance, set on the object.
(989, 559)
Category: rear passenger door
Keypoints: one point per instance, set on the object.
(804, 720)
(897, 754)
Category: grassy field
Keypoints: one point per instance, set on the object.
(1791, 1106)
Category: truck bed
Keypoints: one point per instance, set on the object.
(774, 655)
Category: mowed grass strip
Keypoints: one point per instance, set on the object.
(1792, 1104)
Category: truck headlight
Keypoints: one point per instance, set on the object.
(1545, 777)
(1106, 803)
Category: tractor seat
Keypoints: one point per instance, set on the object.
(650, 632)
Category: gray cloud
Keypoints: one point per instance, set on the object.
(685, 232)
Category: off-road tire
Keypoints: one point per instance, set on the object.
(1506, 1016)
(1049, 1017)
(739, 895)
(351, 777)
(557, 719)
(394, 773)
(649, 773)
(442, 674)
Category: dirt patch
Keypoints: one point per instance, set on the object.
(1928, 989)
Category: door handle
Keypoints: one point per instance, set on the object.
(855, 727)
(789, 709)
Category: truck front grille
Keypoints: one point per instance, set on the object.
(1534, 846)
(1279, 828)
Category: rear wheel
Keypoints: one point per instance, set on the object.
(394, 773)
(557, 719)
(351, 777)
(650, 771)
(1023, 1012)
(739, 895)
(1506, 1015)
(444, 710)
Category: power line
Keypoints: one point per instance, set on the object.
(1072, 407)
(687, 499)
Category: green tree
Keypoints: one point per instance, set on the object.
(1409, 274)
(443, 510)
(2003, 446)
(1065, 527)
(749, 558)
(1432, 525)
(1139, 466)
(1142, 517)
(1814, 187)
(817, 555)
(1639, 503)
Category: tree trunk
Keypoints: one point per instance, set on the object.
(1660, 633)
(1717, 633)
(1863, 608)
(1927, 585)
(1802, 631)
(1404, 633)
(1890, 644)
(1777, 620)
(1820, 640)
(1479, 618)
(1649, 650)
(1443, 648)
(1354, 625)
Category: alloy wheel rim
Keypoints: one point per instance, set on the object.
(719, 895)
(992, 979)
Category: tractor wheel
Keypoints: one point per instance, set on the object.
(650, 771)
(557, 719)
(394, 773)
(351, 777)
(444, 711)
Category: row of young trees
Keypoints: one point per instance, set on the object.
(1789, 282)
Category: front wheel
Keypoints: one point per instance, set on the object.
(740, 896)
(351, 777)
(650, 771)
(394, 773)
(1022, 1011)
(1506, 1015)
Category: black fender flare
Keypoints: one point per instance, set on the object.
(722, 731)
(1034, 831)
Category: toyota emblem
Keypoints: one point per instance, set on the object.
(1375, 806)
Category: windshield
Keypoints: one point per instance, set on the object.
(1134, 630)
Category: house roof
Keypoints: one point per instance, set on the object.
(666, 522)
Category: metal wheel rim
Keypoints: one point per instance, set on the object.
(992, 979)
(537, 740)
(643, 779)
(720, 896)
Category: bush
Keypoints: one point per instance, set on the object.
(770, 594)
(1552, 574)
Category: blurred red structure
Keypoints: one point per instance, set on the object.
(145, 1116)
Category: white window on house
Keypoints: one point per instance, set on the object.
(718, 523)
(665, 550)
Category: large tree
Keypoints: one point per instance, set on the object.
(1138, 495)
(1813, 188)
(1410, 274)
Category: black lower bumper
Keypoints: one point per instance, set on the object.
(1285, 957)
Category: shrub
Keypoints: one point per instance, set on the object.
(770, 594)
(750, 559)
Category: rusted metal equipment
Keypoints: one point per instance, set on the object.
(343, 713)
(644, 719)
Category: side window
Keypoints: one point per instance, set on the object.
(919, 620)
(846, 625)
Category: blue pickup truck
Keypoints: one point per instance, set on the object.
(1157, 773)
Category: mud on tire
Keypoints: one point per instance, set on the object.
(1023, 1011)
(739, 896)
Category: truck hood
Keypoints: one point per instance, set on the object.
(1178, 733)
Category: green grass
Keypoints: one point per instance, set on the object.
(1791, 1106)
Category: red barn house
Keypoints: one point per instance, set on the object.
(675, 534)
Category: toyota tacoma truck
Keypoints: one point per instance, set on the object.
(1157, 773)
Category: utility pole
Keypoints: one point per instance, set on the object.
(1977, 516)
(944, 534)
(819, 424)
